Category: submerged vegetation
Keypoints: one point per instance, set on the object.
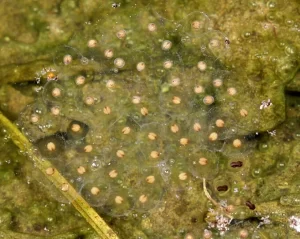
(171, 120)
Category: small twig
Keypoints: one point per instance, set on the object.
(103, 230)
(208, 195)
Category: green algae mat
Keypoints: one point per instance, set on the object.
(150, 119)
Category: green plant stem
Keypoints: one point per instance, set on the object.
(103, 230)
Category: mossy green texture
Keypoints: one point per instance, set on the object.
(257, 55)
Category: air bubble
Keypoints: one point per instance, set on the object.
(95, 165)
(84, 60)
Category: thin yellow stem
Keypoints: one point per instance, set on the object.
(208, 195)
(103, 230)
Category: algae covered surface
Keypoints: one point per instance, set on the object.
(172, 119)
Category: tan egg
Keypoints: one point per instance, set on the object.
(182, 176)
(144, 111)
(166, 45)
(140, 66)
(243, 233)
(213, 136)
(67, 59)
(34, 118)
(106, 110)
(208, 100)
(203, 161)
(220, 123)
(113, 173)
(51, 76)
(214, 43)
(189, 236)
(126, 130)
(121, 34)
(217, 83)
(89, 100)
(50, 171)
(243, 112)
(152, 27)
(95, 190)
(174, 128)
(81, 170)
(198, 89)
(119, 200)
(207, 234)
(202, 66)
(110, 84)
(237, 143)
(230, 208)
(65, 187)
(120, 153)
(136, 99)
(154, 154)
(143, 198)
(150, 179)
(231, 91)
(176, 100)
(175, 82)
(75, 127)
(196, 25)
(56, 92)
(197, 127)
(55, 110)
(108, 53)
(168, 64)
(80, 80)
(92, 43)
(88, 148)
(51, 147)
(184, 141)
(119, 62)
(152, 136)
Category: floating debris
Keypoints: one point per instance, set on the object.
(265, 104)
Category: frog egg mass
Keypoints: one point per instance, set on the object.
(143, 118)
